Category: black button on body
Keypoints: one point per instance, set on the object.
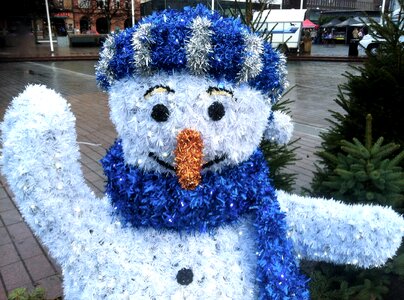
(185, 276)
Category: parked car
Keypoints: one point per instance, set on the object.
(369, 43)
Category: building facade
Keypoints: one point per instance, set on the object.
(69, 17)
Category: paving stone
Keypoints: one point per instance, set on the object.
(11, 216)
(15, 275)
(39, 267)
(3, 294)
(52, 286)
(6, 204)
(4, 236)
(28, 247)
(8, 255)
(3, 193)
(19, 231)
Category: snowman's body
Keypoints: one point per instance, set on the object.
(190, 212)
(168, 265)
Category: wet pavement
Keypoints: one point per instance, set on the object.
(24, 262)
(24, 48)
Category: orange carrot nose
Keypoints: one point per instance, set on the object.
(189, 158)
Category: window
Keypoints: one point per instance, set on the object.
(100, 3)
(84, 3)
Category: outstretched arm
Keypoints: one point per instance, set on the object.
(40, 161)
(327, 230)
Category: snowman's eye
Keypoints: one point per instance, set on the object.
(216, 111)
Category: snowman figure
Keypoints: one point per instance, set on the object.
(189, 211)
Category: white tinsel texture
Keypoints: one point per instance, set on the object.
(279, 129)
(101, 259)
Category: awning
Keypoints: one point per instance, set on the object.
(331, 23)
(309, 24)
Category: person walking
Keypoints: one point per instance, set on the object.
(355, 33)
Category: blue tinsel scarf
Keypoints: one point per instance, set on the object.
(156, 200)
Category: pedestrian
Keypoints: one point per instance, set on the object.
(355, 33)
(313, 35)
(360, 33)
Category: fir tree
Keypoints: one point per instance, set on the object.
(364, 173)
(369, 172)
(376, 88)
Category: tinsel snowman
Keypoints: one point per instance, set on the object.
(189, 211)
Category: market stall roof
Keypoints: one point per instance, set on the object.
(332, 23)
(364, 21)
(309, 24)
(350, 22)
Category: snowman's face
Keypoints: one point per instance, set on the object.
(151, 112)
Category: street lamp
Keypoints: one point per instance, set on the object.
(133, 13)
(49, 25)
(383, 5)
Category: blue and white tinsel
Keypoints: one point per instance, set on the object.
(171, 40)
(148, 199)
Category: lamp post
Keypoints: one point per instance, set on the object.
(383, 5)
(49, 25)
(133, 13)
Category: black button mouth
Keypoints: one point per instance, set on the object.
(185, 276)
(166, 165)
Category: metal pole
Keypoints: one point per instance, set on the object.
(301, 4)
(133, 13)
(49, 25)
(383, 5)
(213, 5)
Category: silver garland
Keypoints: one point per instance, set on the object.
(141, 42)
(199, 46)
(276, 93)
(252, 65)
(106, 56)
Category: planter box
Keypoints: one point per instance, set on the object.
(85, 40)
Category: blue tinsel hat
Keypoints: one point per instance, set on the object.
(196, 40)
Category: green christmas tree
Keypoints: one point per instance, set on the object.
(365, 172)
(376, 88)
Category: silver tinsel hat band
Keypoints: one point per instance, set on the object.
(195, 40)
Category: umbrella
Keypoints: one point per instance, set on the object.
(332, 23)
(308, 24)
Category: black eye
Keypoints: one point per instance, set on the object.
(160, 113)
(216, 111)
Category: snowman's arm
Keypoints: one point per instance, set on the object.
(40, 161)
(327, 230)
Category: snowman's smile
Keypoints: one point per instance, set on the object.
(168, 166)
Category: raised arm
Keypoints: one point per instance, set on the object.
(40, 161)
(328, 230)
